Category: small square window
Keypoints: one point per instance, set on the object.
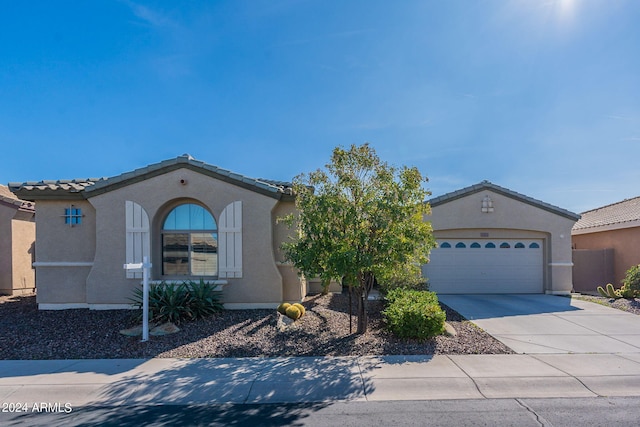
(73, 216)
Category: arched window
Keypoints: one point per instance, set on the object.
(519, 245)
(460, 245)
(534, 245)
(505, 245)
(490, 245)
(445, 245)
(189, 242)
(475, 245)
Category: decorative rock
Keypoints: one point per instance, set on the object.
(449, 330)
(164, 329)
(283, 323)
(132, 332)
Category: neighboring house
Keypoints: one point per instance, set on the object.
(493, 240)
(606, 243)
(17, 242)
(192, 219)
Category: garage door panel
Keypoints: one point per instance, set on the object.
(513, 269)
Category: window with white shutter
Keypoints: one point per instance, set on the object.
(230, 241)
(138, 242)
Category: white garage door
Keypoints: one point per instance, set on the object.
(465, 266)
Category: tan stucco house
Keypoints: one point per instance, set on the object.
(193, 220)
(493, 240)
(17, 244)
(606, 243)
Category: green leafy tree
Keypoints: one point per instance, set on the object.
(358, 219)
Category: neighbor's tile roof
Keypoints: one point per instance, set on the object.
(8, 198)
(93, 186)
(626, 211)
(486, 185)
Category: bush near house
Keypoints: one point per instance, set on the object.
(175, 303)
(631, 282)
(413, 314)
(630, 286)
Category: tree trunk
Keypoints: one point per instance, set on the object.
(365, 283)
(362, 311)
(350, 310)
(325, 286)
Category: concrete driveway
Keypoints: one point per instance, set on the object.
(536, 324)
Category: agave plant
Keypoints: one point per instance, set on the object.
(204, 301)
(175, 303)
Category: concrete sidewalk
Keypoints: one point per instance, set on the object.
(317, 379)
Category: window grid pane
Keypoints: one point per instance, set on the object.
(189, 242)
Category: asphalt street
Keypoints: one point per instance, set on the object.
(567, 412)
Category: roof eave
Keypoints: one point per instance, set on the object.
(485, 185)
(161, 168)
(606, 227)
(34, 195)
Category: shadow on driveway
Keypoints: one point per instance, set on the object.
(475, 307)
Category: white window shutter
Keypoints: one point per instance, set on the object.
(230, 241)
(138, 241)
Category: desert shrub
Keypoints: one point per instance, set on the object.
(293, 312)
(176, 303)
(282, 308)
(631, 283)
(413, 314)
(630, 286)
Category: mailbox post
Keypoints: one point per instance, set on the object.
(144, 266)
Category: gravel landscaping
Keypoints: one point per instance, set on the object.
(630, 305)
(324, 330)
(28, 333)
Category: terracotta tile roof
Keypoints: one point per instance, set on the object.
(94, 186)
(620, 214)
(6, 193)
(8, 198)
(486, 185)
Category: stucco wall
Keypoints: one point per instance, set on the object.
(23, 236)
(511, 218)
(17, 237)
(63, 253)
(592, 268)
(294, 286)
(6, 216)
(261, 283)
(625, 243)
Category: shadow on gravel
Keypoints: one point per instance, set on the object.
(30, 334)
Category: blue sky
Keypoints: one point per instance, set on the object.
(539, 96)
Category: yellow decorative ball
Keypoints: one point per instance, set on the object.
(293, 312)
(301, 308)
(282, 308)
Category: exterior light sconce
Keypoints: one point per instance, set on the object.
(487, 205)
